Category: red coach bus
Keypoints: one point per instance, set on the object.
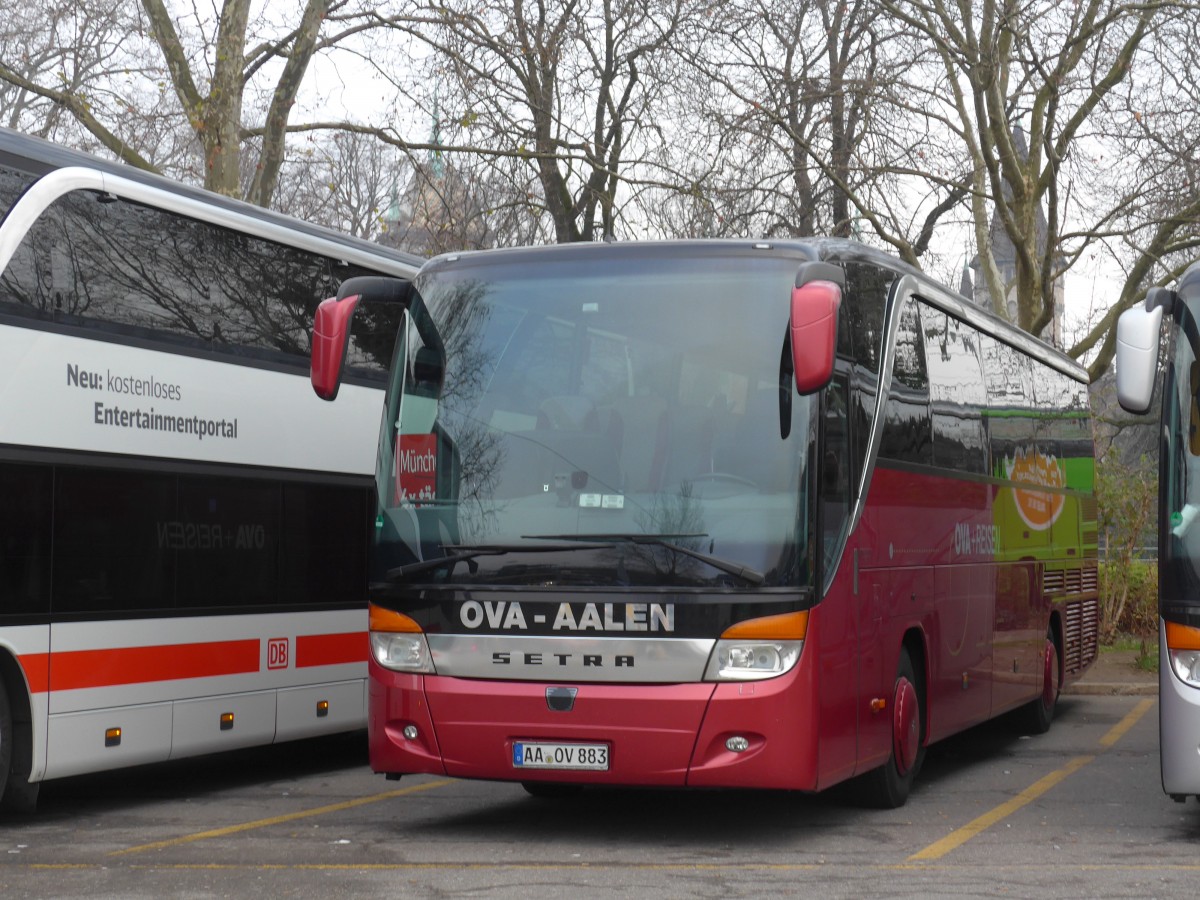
(733, 514)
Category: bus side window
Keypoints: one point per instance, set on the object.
(957, 392)
(907, 430)
(834, 478)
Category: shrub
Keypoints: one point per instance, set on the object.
(1126, 499)
(1128, 598)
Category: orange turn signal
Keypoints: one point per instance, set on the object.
(791, 626)
(386, 620)
(1182, 637)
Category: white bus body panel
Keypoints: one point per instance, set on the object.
(60, 392)
(1178, 725)
(297, 715)
(77, 739)
(288, 663)
(70, 393)
(197, 724)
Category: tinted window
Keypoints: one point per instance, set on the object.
(25, 540)
(12, 184)
(111, 530)
(835, 490)
(127, 541)
(1012, 423)
(956, 392)
(860, 333)
(860, 317)
(325, 539)
(153, 274)
(1063, 429)
(907, 433)
(225, 537)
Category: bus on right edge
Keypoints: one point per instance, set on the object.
(1138, 348)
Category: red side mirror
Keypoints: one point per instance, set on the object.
(331, 336)
(814, 333)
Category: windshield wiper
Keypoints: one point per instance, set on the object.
(463, 552)
(667, 542)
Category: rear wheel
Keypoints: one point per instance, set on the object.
(887, 787)
(1035, 717)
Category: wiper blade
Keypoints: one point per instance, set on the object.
(464, 552)
(667, 542)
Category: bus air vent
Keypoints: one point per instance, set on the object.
(1079, 634)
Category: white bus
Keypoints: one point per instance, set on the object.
(1138, 346)
(163, 489)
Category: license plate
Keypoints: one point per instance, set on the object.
(546, 755)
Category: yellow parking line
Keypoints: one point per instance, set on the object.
(277, 820)
(957, 838)
(1118, 731)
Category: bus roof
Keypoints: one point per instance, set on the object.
(41, 157)
(816, 248)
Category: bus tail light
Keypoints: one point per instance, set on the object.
(398, 643)
(758, 648)
(1183, 647)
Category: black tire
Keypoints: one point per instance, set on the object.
(20, 795)
(1036, 716)
(888, 786)
(6, 737)
(551, 790)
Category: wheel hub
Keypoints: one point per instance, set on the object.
(1049, 676)
(906, 726)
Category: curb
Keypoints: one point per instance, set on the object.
(1126, 689)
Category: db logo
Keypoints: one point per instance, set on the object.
(277, 653)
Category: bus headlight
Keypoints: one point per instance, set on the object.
(402, 652)
(751, 661)
(397, 642)
(1183, 648)
(756, 649)
(1186, 664)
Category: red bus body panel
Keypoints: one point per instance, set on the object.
(663, 735)
(933, 565)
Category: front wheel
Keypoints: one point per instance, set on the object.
(887, 787)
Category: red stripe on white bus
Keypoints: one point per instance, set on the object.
(107, 667)
(330, 649)
(37, 671)
(79, 669)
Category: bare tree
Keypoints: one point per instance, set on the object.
(1033, 89)
(1149, 173)
(566, 87)
(58, 63)
(343, 181)
(223, 82)
(813, 122)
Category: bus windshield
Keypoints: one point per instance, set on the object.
(1179, 572)
(610, 419)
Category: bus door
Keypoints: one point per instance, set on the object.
(838, 641)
